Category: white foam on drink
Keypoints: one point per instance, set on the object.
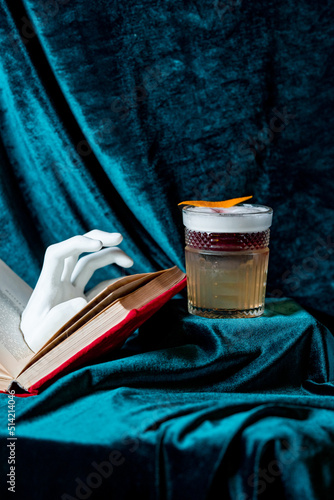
(244, 218)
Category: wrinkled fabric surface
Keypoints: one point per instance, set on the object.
(110, 114)
(189, 408)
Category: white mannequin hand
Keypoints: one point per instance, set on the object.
(59, 292)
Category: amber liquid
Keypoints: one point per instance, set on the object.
(226, 283)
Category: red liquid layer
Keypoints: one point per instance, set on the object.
(227, 242)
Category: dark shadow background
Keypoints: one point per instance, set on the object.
(113, 112)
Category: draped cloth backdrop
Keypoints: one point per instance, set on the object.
(110, 114)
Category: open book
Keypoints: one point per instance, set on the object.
(103, 324)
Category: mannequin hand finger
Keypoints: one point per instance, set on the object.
(107, 239)
(49, 291)
(56, 254)
(69, 265)
(87, 265)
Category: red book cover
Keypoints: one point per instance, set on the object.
(111, 339)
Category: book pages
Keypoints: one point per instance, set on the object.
(14, 296)
(110, 294)
(97, 326)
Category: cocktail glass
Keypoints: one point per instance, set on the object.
(227, 259)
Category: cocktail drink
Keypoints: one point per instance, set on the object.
(227, 259)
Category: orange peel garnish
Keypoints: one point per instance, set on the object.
(216, 204)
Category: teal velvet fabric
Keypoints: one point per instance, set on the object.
(114, 112)
(111, 113)
(189, 408)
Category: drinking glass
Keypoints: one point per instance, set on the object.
(227, 259)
